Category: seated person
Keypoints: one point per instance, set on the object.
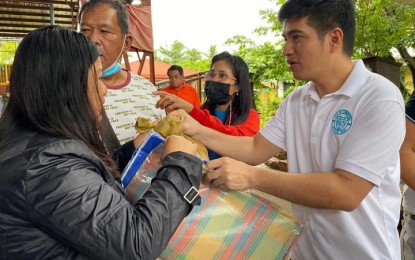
(229, 107)
(58, 197)
(179, 87)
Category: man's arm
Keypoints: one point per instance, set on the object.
(407, 154)
(251, 150)
(339, 190)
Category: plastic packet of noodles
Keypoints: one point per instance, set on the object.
(143, 166)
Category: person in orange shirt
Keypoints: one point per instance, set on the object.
(179, 88)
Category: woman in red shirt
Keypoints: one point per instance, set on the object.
(229, 107)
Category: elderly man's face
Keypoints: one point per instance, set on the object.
(100, 24)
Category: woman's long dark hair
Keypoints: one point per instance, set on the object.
(242, 102)
(49, 89)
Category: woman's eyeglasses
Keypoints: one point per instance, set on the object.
(222, 75)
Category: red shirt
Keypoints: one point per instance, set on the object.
(248, 128)
(186, 92)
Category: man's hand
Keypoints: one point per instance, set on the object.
(228, 174)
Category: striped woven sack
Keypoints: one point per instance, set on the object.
(227, 225)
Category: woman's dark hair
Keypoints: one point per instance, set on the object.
(242, 102)
(49, 89)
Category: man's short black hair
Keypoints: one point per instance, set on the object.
(175, 67)
(324, 15)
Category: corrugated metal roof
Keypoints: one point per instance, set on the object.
(19, 17)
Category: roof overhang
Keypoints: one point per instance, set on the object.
(19, 17)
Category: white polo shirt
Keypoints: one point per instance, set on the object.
(360, 129)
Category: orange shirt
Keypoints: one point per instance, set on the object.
(186, 92)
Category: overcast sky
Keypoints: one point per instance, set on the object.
(202, 23)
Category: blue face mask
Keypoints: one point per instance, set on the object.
(111, 70)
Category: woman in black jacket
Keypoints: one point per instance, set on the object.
(58, 197)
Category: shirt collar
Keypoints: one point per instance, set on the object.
(350, 87)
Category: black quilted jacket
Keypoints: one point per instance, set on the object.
(58, 201)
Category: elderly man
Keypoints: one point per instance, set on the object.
(129, 96)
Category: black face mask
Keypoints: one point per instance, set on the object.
(217, 92)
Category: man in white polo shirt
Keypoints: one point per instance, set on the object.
(342, 132)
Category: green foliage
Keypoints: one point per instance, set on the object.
(265, 61)
(288, 91)
(385, 28)
(193, 55)
(199, 65)
(173, 54)
(179, 54)
(267, 107)
(213, 50)
(380, 26)
(7, 50)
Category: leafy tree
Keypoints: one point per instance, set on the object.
(193, 55)
(265, 61)
(173, 54)
(199, 65)
(384, 26)
(267, 106)
(197, 60)
(179, 54)
(212, 52)
(381, 27)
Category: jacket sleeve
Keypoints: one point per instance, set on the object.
(71, 202)
(248, 128)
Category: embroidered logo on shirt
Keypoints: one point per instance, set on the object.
(341, 122)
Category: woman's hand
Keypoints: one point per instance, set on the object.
(170, 102)
(176, 143)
